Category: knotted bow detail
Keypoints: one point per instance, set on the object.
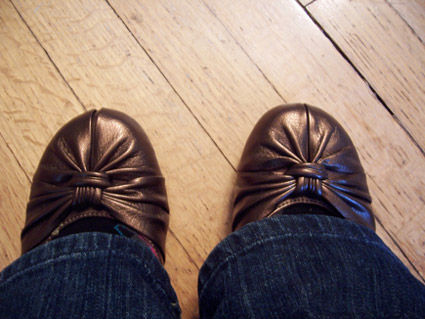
(88, 188)
(309, 177)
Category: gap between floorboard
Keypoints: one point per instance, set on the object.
(170, 84)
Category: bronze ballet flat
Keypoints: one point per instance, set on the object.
(296, 154)
(101, 163)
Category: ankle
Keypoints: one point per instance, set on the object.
(303, 205)
(105, 225)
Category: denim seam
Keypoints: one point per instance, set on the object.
(271, 238)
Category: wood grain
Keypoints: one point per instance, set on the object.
(397, 74)
(32, 92)
(216, 79)
(14, 189)
(277, 43)
(35, 102)
(413, 12)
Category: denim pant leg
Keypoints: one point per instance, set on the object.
(307, 266)
(87, 275)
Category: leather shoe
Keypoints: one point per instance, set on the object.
(298, 154)
(101, 164)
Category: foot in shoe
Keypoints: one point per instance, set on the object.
(299, 154)
(99, 165)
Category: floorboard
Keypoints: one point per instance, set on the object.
(14, 189)
(397, 74)
(34, 103)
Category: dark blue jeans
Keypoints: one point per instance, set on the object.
(282, 267)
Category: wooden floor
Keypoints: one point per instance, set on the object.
(197, 74)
